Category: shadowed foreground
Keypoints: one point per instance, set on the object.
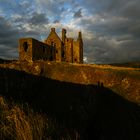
(95, 112)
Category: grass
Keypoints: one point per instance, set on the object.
(22, 123)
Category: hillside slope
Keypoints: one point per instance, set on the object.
(123, 81)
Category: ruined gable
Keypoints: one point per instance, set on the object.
(56, 43)
(52, 49)
(69, 50)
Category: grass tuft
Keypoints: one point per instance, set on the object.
(22, 123)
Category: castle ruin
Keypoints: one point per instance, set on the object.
(52, 49)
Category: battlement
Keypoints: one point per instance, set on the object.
(52, 49)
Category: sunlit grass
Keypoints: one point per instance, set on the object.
(18, 123)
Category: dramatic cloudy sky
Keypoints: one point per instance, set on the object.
(111, 28)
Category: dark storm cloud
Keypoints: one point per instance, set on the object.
(38, 18)
(21, 19)
(56, 21)
(8, 39)
(116, 29)
(51, 7)
(78, 13)
(109, 50)
(8, 34)
(114, 7)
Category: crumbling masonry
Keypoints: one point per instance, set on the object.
(52, 49)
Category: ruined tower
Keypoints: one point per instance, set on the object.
(63, 35)
(73, 48)
(52, 49)
(55, 43)
(80, 40)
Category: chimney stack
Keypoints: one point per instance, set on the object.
(53, 29)
(80, 36)
(63, 35)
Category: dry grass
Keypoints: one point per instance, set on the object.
(18, 123)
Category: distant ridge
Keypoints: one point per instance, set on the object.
(5, 61)
(128, 64)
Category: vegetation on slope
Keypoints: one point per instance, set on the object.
(20, 122)
(123, 80)
(95, 111)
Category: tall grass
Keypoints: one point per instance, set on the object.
(22, 123)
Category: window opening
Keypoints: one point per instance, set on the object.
(25, 46)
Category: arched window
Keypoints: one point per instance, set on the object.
(43, 49)
(52, 44)
(25, 46)
(63, 54)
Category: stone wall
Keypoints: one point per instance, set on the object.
(53, 48)
(31, 49)
(76, 52)
(54, 41)
(25, 49)
(69, 50)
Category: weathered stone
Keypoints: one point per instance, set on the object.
(52, 49)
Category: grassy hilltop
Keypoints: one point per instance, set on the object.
(124, 81)
(74, 101)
